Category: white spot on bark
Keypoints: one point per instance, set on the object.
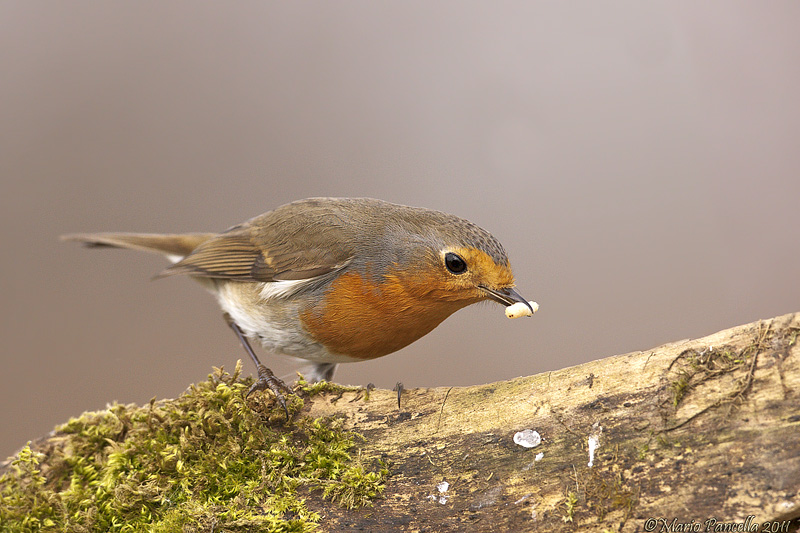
(594, 441)
(527, 438)
(442, 496)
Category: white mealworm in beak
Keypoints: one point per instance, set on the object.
(520, 309)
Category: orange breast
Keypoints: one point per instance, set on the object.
(363, 320)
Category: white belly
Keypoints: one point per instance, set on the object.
(264, 314)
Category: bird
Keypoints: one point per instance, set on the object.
(334, 280)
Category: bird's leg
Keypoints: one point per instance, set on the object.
(322, 372)
(266, 379)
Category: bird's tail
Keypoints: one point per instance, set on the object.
(174, 246)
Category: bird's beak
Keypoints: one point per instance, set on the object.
(507, 296)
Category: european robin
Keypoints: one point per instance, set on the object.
(335, 280)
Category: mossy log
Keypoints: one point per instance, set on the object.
(696, 435)
(702, 431)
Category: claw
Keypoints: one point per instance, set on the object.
(268, 380)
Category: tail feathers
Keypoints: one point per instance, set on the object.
(175, 246)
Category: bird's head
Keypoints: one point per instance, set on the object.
(459, 263)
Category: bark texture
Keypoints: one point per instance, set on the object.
(703, 431)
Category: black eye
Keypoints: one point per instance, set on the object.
(454, 263)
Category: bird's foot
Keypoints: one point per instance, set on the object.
(268, 380)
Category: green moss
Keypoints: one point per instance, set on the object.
(309, 390)
(679, 387)
(709, 364)
(204, 461)
(643, 451)
(570, 503)
(607, 492)
(322, 387)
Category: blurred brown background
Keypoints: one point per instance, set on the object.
(640, 162)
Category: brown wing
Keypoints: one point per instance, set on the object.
(228, 257)
(284, 244)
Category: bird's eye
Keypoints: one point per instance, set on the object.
(454, 263)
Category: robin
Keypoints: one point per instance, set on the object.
(335, 280)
